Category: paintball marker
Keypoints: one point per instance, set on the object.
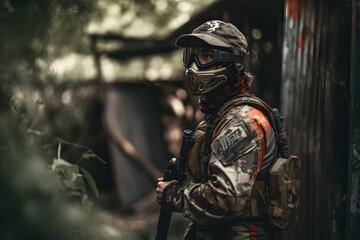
(175, 170)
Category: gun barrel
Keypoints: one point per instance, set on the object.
(174, 171)
(282, 144)
(186, 146)
(163, 224)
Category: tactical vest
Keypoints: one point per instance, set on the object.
(277, 197)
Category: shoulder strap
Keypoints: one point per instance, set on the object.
(209, 130)
(246, 99)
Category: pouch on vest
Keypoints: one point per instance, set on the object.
(284, 189)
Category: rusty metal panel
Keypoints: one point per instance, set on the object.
(315, 103)
(353, 212)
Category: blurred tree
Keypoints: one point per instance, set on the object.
(144, 18)
(32, 205)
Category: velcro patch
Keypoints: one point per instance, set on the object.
(233, 143)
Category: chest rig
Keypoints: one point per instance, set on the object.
(277, 195)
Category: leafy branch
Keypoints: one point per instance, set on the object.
(75, 180)
(56, 140)
(87, 155)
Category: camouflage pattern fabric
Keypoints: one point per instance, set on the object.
(237, 151)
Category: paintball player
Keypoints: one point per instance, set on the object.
(234, 144)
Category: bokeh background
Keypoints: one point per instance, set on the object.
(93, 103)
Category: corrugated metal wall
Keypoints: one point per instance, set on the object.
(353, 203)
(315, 103)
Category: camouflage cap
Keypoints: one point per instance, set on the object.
(216, 33)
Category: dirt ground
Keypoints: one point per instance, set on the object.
(110, 223)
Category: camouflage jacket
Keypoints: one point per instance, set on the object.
(239, 144)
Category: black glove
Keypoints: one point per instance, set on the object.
(168, 195)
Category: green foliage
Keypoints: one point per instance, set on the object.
(145, 18)
(90, 181)
(6, 7)
(32, 203)
(75, 181)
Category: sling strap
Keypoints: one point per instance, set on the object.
(246, 99)
(209, 130)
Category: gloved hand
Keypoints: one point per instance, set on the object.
(165, 192)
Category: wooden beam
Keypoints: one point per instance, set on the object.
(149, 169)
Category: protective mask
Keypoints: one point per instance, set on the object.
(203, 82)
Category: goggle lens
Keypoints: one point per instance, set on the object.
(203, 57)
(206, 57)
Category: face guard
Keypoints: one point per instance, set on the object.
(205, 58)
(203, 82)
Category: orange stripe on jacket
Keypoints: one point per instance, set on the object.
(259, 124)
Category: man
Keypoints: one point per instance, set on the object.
(234, 145)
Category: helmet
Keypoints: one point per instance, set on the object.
(214, 43)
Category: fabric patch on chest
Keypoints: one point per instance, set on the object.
(233, 142)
